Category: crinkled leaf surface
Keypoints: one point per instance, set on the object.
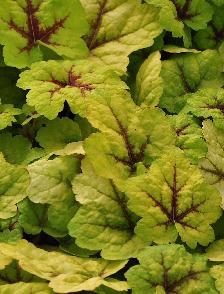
(207, 103)
(104, 217)
(14, 181)
(170, 269)
(186, 73)
(189, 137)
(58, 133)
(149, 87)
(51, 179)
(51, 83)
(178, 16)
(65, 273)
(26, 288)
(217, 272)
(117, 28)
(213, 165)
(132, 137)
(10, 230)
(24, 25)
(172, 198)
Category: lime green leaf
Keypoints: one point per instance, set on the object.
(4, 261)
(172, 198)
(14, 183)
(213, 35)
(176, 49)
(149, 87)
(58, 133)
(217, 272)
(178, 16)
(68, 245)
(207, 103)
(17, 149)
(65, 273)
(51, 83)
(170, 269)
(189, 137)
(213, 165)
(186, 73)
(27, 24)
(25, 288)
(117, 28)
(217, 2)
(51, 179)
(7, 115)
(104, 217)
(71, 148)
(215, 252)
(132, 137)
(10, 230)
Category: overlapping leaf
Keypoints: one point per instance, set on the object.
(117, 28)
(186, 74)
(179, 16)
(7, 115)
(132, 137)
(65, 273)
(170, 269)
(104, 217)
(172, 198)
(53, 82)
(189, 137)
(25, 25)
(26, 288)
(213, 165)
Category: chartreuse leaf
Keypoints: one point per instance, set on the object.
(213, 165)
(10, 230)
(213, 35)
(186, 73)
(217, 272)
(51, 83)
(117, 28)
(207, 103)
(149, 87)
(170, 269)
(104, 217)
(18, 149)
(131, 137)
(173, 199)
(14, 183)
(179, 16)
(56, 134)
(24, 25)
(26, 288)
(65, 273)
(7, 115)
(215, 252)
(50, 180)
(189, 136)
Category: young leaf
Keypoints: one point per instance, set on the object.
(7, 115)
(178, 16)
(149, 87)
(53, 82)
(104, 217)
(212, 166)
(172, 198)
(50, 179)
(186, 73)
(117, 28)
(24, 25)
(207, 103)
(17, 149)
(14, 183)
(65, 273)
(132, 137)
(170, 269)
(189, 137)
(51, 139)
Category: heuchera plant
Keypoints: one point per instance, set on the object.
(112, 146)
